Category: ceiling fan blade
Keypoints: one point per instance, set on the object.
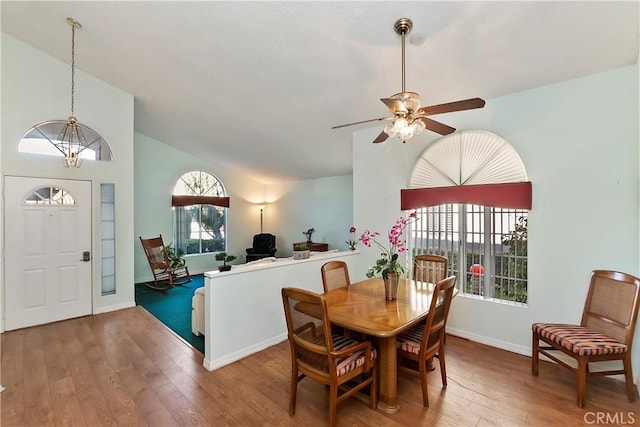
(466, 104)
(381, 138)
(363, 121)
(394, 105)
(437, 127)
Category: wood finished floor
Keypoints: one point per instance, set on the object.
(126, 368)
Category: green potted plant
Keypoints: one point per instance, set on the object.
(300, 251)
(174, 257)
(222, 256)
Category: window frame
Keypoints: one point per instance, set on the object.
(213, 189)
(452, 243)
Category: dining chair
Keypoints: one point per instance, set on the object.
(335, 274)
(605, 332)
(423, 342)
(430, 268)
(345, 365)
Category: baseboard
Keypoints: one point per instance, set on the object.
(213, 364)
(115, 307)
(503, 345)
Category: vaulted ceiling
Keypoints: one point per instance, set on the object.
(256, 86)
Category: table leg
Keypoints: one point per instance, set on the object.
(387, 375)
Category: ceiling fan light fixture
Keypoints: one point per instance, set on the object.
(409, 118)
(404, 128)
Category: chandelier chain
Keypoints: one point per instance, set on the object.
(73, 64)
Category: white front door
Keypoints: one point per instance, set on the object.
(47, 242)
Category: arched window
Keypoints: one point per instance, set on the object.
(471, 192)
(46, 138)
(49, 196)
(199, 214)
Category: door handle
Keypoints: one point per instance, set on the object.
(86, 256)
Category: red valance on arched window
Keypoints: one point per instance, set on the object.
(470, 167)
(515, 195)
(177, 200)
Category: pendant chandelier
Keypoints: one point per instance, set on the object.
(70, 137)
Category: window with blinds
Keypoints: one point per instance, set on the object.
(486, 247)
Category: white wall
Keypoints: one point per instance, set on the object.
(35, 88)
(326, 204)
(579, 143)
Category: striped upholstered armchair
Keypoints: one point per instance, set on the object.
(605, 332)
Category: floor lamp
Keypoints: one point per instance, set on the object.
(261, 210)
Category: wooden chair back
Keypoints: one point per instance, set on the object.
(430, 268)
(436, 322)
(335, 274)
(155, 251)
(612, 305)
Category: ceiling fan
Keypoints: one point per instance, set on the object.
(409, 118)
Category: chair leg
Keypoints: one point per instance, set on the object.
(534, 355)
(293, 391)
(333, 404)
(628, 378)
(373, 388)
(443, 366)
(423, 383)
(582, 380)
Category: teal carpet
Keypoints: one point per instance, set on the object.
(173, 307)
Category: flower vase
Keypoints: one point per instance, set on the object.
(391, 286)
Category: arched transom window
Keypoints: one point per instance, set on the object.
(49, 196)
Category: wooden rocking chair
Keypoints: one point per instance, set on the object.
(165, 276)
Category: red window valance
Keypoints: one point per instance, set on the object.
(515, 195)
(199, 200)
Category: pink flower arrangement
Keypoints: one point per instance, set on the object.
(353, 242)
(388, 263)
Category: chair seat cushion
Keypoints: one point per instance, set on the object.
(343, 365)
(579, 339)
(410, 340)
(352, 361)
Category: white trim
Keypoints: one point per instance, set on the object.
(212, 365)
(503, 345)
(115, 307)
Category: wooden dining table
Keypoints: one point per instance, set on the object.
(362, 307)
